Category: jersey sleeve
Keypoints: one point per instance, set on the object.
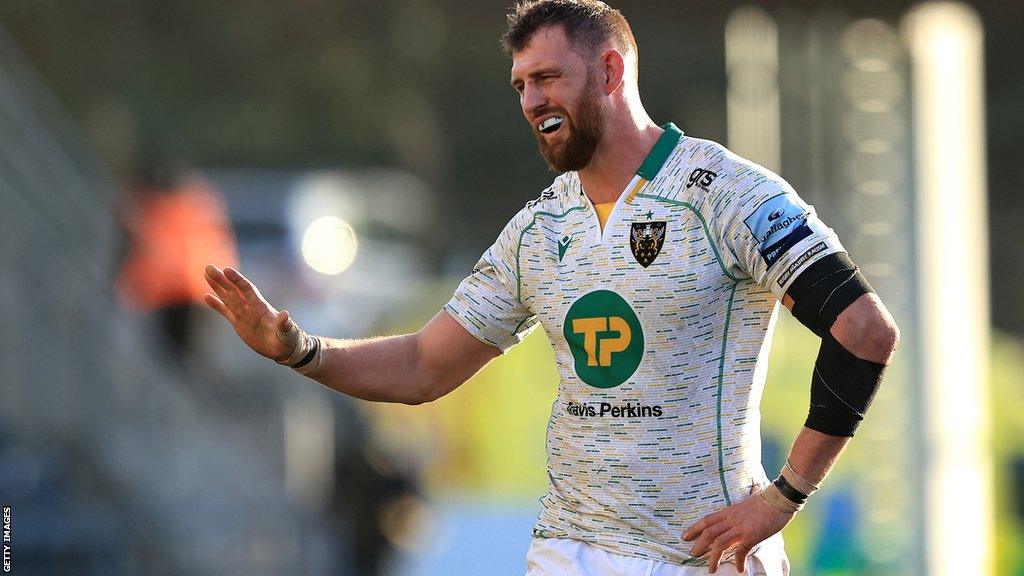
(487, 302)
(766, 231)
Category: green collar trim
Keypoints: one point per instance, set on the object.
(659, 154)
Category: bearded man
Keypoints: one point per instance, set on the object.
(654, 263)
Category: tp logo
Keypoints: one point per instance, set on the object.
(605, 337)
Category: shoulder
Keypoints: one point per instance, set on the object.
(727, 183)
(730, 170)
(563, 195)
(557, 199)
(708, 175)
(560, 195)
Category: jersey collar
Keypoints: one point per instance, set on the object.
(659, 154)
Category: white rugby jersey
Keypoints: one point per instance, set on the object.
(661, 326)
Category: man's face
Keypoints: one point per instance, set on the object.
(560, 97)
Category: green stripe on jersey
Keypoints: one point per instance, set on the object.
(662, 148)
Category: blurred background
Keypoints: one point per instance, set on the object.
(354, 159)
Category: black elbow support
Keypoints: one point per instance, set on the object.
(842, 388)
(843, 385)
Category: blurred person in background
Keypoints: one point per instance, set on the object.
(655, 264)
(176, 224)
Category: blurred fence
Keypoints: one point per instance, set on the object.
(165, 481)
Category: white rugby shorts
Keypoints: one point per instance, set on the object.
(564, 557)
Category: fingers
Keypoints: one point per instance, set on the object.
(215, 303)
(695, 530)
(707, 538)
(227, 297)
(741, 558)
(722, 544)
(250, 292)
(225, 289)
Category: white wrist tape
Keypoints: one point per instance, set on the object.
(307, 351)
(796, 480)
(773, 496)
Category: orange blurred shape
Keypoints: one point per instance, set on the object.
(174, 234)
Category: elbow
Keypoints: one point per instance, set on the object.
(873, 341)
(428, 390)
(895, 337)
(879, 343)
(415, 399)
(420, 395)
(867, 330)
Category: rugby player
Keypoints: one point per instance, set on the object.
(654, 263)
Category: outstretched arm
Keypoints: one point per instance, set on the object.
(411, 368)
(408, 368)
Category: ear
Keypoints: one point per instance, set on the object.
(614, 68)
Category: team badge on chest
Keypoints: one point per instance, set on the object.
(646, 240)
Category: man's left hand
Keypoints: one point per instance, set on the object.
(741, 526)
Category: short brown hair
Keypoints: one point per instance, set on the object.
(587, 23)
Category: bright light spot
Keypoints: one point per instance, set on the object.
(329, 245)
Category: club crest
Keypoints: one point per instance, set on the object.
(646, 240)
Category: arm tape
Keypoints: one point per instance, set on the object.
(825, 289)
(842, 388)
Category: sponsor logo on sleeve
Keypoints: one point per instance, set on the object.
(777, 225)
(794, 236)
(800, 261)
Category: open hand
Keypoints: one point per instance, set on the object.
(253, 318)
(741, 526)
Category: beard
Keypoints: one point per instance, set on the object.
(586, 128)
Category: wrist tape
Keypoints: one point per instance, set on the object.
(790, 491)
(775, 497)
(796, 480)
(307, 351)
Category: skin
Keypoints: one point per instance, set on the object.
(421, 366)
(550, 76)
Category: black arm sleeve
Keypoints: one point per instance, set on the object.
(825, 289)
(842, 388)
(842, 385)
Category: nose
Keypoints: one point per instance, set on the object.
(533, 99)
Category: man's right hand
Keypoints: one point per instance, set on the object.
(254, 319)
(409, 368)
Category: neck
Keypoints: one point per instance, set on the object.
(618, 156)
